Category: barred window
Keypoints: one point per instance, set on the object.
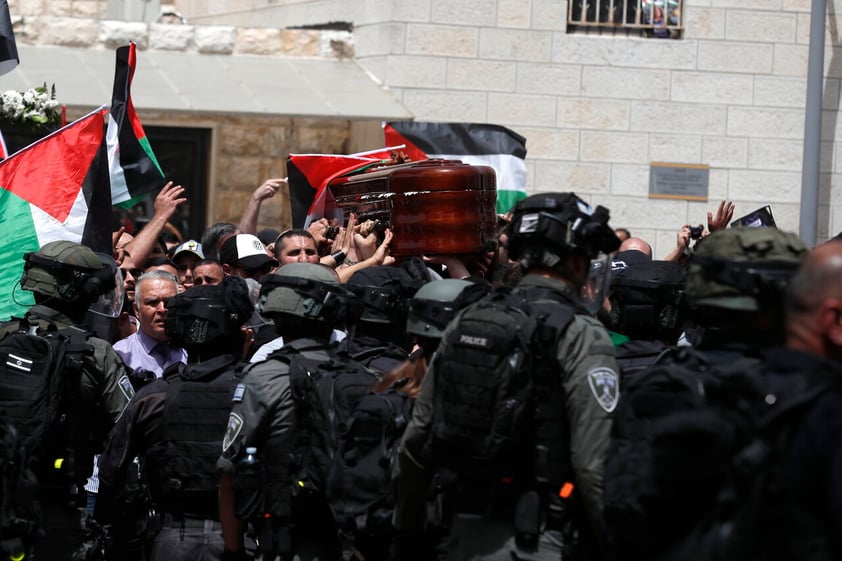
(650, 18)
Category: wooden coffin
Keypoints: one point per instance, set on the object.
(432, 206)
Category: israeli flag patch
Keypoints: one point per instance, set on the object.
(239, 391)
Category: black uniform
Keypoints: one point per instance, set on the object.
(811, 521)
(103, 391)
(175, 425)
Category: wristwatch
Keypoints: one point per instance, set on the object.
(338, 256)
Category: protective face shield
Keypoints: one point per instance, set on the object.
(597, 283)
(102, 315)
(110, 304)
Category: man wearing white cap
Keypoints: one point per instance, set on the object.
(245, 256)
(185, 256)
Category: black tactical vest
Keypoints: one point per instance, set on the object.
(181, 467)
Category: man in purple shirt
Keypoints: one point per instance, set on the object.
(149, 347)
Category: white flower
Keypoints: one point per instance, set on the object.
(35, 107)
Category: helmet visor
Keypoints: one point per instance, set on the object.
(110, 304)
(597, 283)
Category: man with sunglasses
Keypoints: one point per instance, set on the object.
(245, 256)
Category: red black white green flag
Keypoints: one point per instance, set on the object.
(9, 57)
(133, 166)
(309, 174)
(54, 189)
(473, 143)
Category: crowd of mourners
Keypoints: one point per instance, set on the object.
(305, 394)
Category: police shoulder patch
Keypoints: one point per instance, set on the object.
(605, 386)
(126, 386)
(235, 425)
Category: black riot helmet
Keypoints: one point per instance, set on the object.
(547, 226)
(647, 300)
(385, 291)
(209, 317)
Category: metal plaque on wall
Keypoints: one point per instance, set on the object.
(678, 181)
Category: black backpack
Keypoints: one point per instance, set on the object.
(675, 431)
(497, 389)
(325, 393)
(20, 514)
(751, 518)
(40, 375)
(359, 486)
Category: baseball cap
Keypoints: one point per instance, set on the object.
(245, 250)
(268, 235)
(190, 246)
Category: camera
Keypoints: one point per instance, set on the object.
(696, 232)
(379, 227)
(331, 232)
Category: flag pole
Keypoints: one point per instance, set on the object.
(811, 162)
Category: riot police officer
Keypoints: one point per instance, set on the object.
(66, 278)
(305, 300)
(736, 281)
(175, 424)
(645, 307)
(379, 338)
(553, 236)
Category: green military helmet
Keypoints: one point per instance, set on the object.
(64, 270)
(743, 269)
(433, 306)
(305, 290)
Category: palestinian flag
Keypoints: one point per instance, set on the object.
(54, 189)
(475, 144)
(133, 167)
(9, 57)
(4, 152)
(309, 174)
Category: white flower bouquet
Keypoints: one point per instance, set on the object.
(34, 108)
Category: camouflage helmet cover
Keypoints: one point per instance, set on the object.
(305, 290)
(740, 268)
(64, 270)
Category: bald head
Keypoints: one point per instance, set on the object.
(636, 244)
(814, 303)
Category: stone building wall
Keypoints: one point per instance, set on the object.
(597, 109)
(244, 151)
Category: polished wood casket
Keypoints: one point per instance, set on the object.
(432, 206)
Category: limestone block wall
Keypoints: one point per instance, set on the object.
(598, 109)
(244, 151)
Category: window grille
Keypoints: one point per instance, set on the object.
(651, 18)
